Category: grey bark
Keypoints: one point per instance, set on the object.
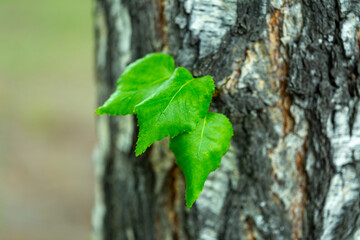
(293, 169)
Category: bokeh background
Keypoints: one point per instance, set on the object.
(47, 131)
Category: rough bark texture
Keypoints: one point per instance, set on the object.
(293, 170)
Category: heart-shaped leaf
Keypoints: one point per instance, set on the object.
(199, 152)
(171, 102)
(176, 107)
(139, 81)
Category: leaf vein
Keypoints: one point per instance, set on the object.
(159, 80)
(202, 136)
(177, 94)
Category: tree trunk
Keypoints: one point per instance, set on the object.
(293, 168)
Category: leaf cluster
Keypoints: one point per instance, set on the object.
(169, 101)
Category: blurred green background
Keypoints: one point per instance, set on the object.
(47, 130)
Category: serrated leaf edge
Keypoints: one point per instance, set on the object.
(228, 144)
(101, 111)
(138, 153)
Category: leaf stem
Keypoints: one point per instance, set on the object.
(219, 90)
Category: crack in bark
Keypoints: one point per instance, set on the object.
(162, 23)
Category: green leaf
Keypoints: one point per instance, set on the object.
(177, 106)
(139, 81)
(199, 152)
(171, 102)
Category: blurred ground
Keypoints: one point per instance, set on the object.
(46, 119)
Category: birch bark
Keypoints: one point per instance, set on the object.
(293, 169)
